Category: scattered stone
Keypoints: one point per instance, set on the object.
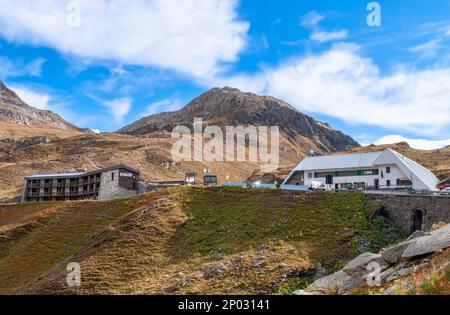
(399, 273)
(258, 262)
(387, 274)
(320, 271)
(301, 272)
(329, 283)
(405, 286)
(354, 281)
(393, 254)
(362, 242)
(214, 270)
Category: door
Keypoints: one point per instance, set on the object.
(377, 183)
(417, 223)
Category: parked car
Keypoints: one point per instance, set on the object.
(445, 192)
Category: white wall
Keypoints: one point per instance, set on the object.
(395, 174)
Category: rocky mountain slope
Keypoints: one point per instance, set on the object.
(18, 119)
(231, 107)
(186, 241)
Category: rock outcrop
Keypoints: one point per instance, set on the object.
(390, 264)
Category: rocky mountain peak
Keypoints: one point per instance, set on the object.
(231, 107)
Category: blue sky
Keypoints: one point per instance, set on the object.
(103, 64)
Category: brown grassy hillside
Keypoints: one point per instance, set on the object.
(185, 241)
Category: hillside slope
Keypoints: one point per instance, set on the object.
(19, 120)
(188, 240)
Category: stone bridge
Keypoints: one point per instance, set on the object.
(415, 212)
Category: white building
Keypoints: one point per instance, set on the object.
(379, 170)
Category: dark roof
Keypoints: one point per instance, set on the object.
(76, 175)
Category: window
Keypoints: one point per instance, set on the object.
(388, 183)
(404, 182)
(348, 173)
(329, 180)
(112, 176)
(388, 170)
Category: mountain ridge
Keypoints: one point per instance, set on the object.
(231, 107)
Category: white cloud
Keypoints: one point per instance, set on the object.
(18, 68)
(322, 36)
(340, 83)
(311, 19)
(427, 49)
(31, 97)
(195, 37)
(97, 131)
(118, 108)
(420, 144)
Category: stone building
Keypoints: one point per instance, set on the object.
(108, 183)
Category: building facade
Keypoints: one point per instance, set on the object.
(378, 170)
(108, 183)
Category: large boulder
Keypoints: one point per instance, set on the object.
(437, 240)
